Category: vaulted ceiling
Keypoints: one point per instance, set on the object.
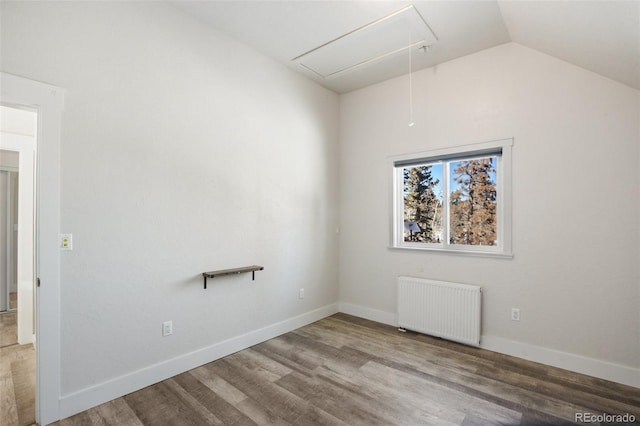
(346, 45)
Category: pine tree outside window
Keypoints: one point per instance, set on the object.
(456, 200)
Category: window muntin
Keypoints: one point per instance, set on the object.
(456, 200)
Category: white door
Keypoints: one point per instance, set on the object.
(18, 142)
(8, 230)
(4, 240)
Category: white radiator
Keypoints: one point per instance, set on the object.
(442, 309)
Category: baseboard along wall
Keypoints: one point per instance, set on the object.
(84, 399)
(568, 361)
(90, 397)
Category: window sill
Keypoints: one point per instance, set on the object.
(472, 253)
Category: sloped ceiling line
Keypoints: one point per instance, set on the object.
(601, 36)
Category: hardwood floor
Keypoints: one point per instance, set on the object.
(13, 300)
(17, 385)
(344, 370)
(8, 329)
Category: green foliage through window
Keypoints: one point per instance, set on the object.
(454, 200)
(473, 202)
(423, 203)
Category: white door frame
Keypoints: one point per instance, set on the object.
(48, 101)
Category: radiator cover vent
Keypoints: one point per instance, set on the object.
(451, 311)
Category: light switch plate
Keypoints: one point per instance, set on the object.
(66, 242)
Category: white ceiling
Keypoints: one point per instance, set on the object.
(601, 36)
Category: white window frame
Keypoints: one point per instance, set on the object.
(500, 147)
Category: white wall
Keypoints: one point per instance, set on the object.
(182, 151)
(576, 203)
(9, 159)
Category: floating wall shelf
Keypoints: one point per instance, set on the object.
(234, 271)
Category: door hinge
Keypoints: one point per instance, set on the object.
(38, 282)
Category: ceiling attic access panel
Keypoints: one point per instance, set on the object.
(381, 40)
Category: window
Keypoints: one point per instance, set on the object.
(456, 200)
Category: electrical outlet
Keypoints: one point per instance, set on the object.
(515, 314)
(167, 328)
(301, 293)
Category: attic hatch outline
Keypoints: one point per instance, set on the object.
(383, 38)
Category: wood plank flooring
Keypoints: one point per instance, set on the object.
(17, 373)
(344, 370)
(17, 385)
(8, 329)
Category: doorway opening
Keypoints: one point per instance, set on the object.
(48, 101)
(18, 129)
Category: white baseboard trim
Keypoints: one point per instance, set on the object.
(376, 315)
(84, 399)
(568, 361)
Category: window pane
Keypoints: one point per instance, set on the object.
(472, 202)
(422, 208)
